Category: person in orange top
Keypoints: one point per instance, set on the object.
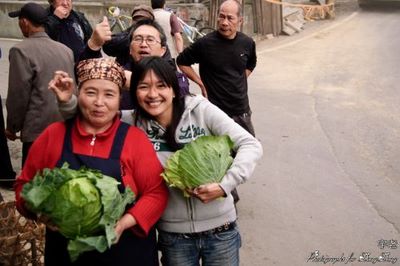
(98, 139)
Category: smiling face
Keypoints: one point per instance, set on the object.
(229, 19)
(155, 97)
(140, 49)
(98, 102)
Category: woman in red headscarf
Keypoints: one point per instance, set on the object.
(97, 139)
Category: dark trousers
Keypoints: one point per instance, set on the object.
(25, 150)
(6, 170)
(244, 120)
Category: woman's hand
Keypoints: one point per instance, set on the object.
(62, 85)
(124, 223)
(128, 75)
(207, 192)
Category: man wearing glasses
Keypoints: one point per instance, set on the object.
(155, 43)
(118, 46)
(147, 39)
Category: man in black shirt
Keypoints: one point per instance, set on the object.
(226, 58)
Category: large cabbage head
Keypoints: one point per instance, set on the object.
(84, 204)
(202, 161)
(78, 209)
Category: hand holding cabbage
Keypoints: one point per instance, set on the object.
(83, 204)
(207, 192)
(203, 161)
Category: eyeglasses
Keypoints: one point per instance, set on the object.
(150, 40)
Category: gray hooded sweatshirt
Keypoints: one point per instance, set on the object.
(201, 118)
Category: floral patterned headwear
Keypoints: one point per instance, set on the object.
(100, 68)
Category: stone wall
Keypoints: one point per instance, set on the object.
(94, 12)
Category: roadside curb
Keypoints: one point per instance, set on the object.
(10, 39)
(308, 36)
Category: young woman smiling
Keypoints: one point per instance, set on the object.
(199, 227)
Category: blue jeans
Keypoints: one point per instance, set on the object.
(213, 249)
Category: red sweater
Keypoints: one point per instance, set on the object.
(141, 167)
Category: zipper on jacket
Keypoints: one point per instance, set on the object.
(191, 214)
(92, 142)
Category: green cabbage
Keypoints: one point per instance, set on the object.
(204, 160)
(84, 204)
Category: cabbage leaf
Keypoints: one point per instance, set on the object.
(84, 204)
(202, 161)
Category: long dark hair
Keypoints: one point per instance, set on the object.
(165, 72)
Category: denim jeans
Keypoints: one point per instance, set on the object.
(213, 249)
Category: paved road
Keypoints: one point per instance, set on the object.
(326, 108)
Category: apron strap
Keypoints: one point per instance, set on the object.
(119, 140)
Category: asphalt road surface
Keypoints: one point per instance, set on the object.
(326, 108)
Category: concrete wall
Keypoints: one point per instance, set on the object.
(248, 21)
(94, 12)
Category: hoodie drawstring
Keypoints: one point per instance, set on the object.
(190, 124)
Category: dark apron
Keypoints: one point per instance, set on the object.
(130, 249)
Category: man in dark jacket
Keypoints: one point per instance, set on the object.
(150, 41)
(67, 26)
(119, 44)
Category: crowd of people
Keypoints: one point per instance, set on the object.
(114, 113)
